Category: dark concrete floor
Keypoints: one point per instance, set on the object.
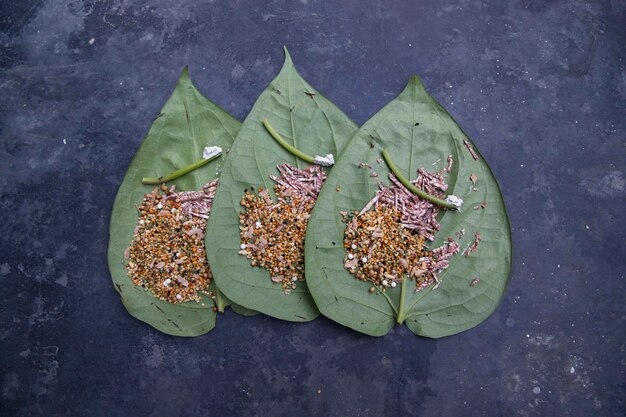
(540, 86)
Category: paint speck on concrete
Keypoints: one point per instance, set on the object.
(610, 185)
(62, 280)
(51, 350)
(237, 72)
(547, 340)
(155, 356)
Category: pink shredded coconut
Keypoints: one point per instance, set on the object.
(306, 182)
(195, 203)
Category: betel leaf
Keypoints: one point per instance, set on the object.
(307, 121)
(186, 124)
(417, 131)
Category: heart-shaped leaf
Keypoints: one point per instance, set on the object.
(416, 131)
(187, 123)
(307, 121)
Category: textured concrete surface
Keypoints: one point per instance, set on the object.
(538, 84)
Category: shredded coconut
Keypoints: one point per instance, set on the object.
(211, 151)
(325, 160)
(456, 201)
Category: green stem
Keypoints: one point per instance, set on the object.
(287, 146)
(413, 188)
(401, 312)
(221, 305)
(178, 173)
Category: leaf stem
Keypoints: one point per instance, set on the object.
(401, 312)
(291, 149)
(220, 304)
(413, 188)
(179, 173)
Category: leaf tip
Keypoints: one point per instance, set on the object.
(287, 56)
(415, 87)
(415, 80)
(184, 76)
(287, 64)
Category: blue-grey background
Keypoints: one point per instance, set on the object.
(539, 85)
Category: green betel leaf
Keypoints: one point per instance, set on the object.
(416, 131)
(187, 123)
(307, 121)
